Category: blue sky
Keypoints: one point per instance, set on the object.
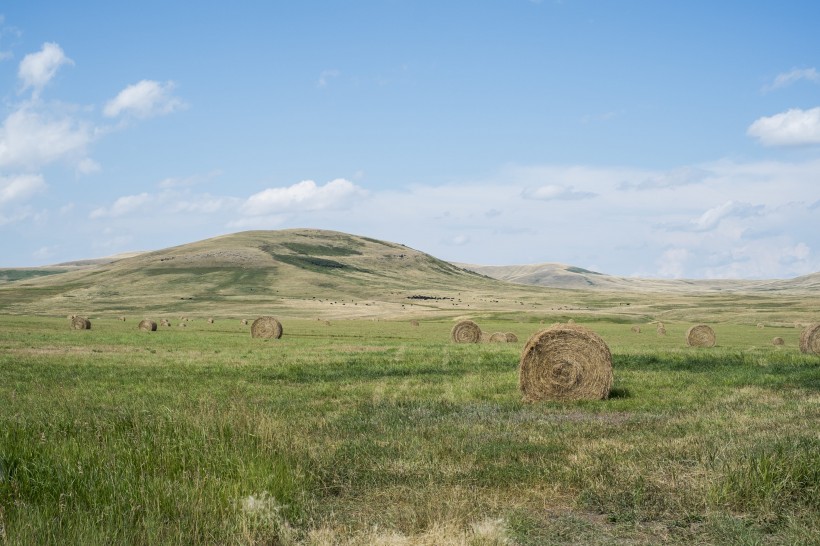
(634, 137)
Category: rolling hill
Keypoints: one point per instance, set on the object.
(554, 275)
(310, 273)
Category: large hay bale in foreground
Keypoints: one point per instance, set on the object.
(147, 325)
(565, 362)
(511, 338)
(80, 323)
(266, 327)
(498, 337)
(465, 331)
(778, 341)
(700, 335)
(810, 339)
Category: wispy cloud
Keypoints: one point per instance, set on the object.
(556, 192)
(303, 196)
(794, 127)
(144, 99)
(37, 69)
(20, 187)
(325, 77)
(788, 78)
(33, 138)
(123, 205)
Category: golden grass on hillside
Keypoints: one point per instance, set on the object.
(700, 335)
(565, 362)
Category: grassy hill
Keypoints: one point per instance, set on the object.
(305, 273)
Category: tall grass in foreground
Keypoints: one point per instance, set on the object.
(377, 432)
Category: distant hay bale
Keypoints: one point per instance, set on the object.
(778, 341)
(244, 322)
(660, 325)
(71, 317)
(636, 329)
(810, 339)
(147, 325)
(182, 325)
(266, 327)
(465, 331)
(565, 362)
(571, 321)
(327, 323)
(661, 331)
(80, 323)
(414, 323)
(210, 321)
(760, 325)
(511, 338)
(700, 335)
(122, 319)
(498, 337)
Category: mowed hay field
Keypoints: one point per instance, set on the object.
(381, 432)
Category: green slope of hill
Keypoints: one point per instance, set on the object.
(325, 274)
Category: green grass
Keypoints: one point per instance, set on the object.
(368, 431)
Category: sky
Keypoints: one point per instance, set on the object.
(635, 138)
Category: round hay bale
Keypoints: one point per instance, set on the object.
(661, 331)
(327, 323)
(571, 321)
(414, 323)
(80, 323)
(660, 325)
(71, 317)
(778, 341)
(266, 327)
(511, 338)
(182, 325)
(760, 326)
(636, 329)
(498, 337)
(244, 322)
(147, 325)
(700, 335)
(122, 319)
(210, 321)
(565, 362)
(810, 339)
(465, 331)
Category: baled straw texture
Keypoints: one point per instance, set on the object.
(661, 331)
(778, 341)
(266, 327)
(511, 338)
(465, 331)
(760, 325)
(565, 362)
(148, 325)
(80, 323)
(810, 339)
(700, 335)
(498, 337)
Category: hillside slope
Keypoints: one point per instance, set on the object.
(299, 271)
(555, 275)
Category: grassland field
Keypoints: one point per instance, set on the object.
(380, 432)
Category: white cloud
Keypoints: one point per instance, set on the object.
(303, 196)
(712, 217)
(21, 187)
(794, 127)
(558, 192)
(37, 69)
(144, 99)
(672, 263)
(88, 166)
(122, 206)
(787, 78)
(325, 76)
(31, 139)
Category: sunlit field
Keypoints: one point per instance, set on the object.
(381, 432)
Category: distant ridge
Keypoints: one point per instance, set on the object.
(556, 275)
